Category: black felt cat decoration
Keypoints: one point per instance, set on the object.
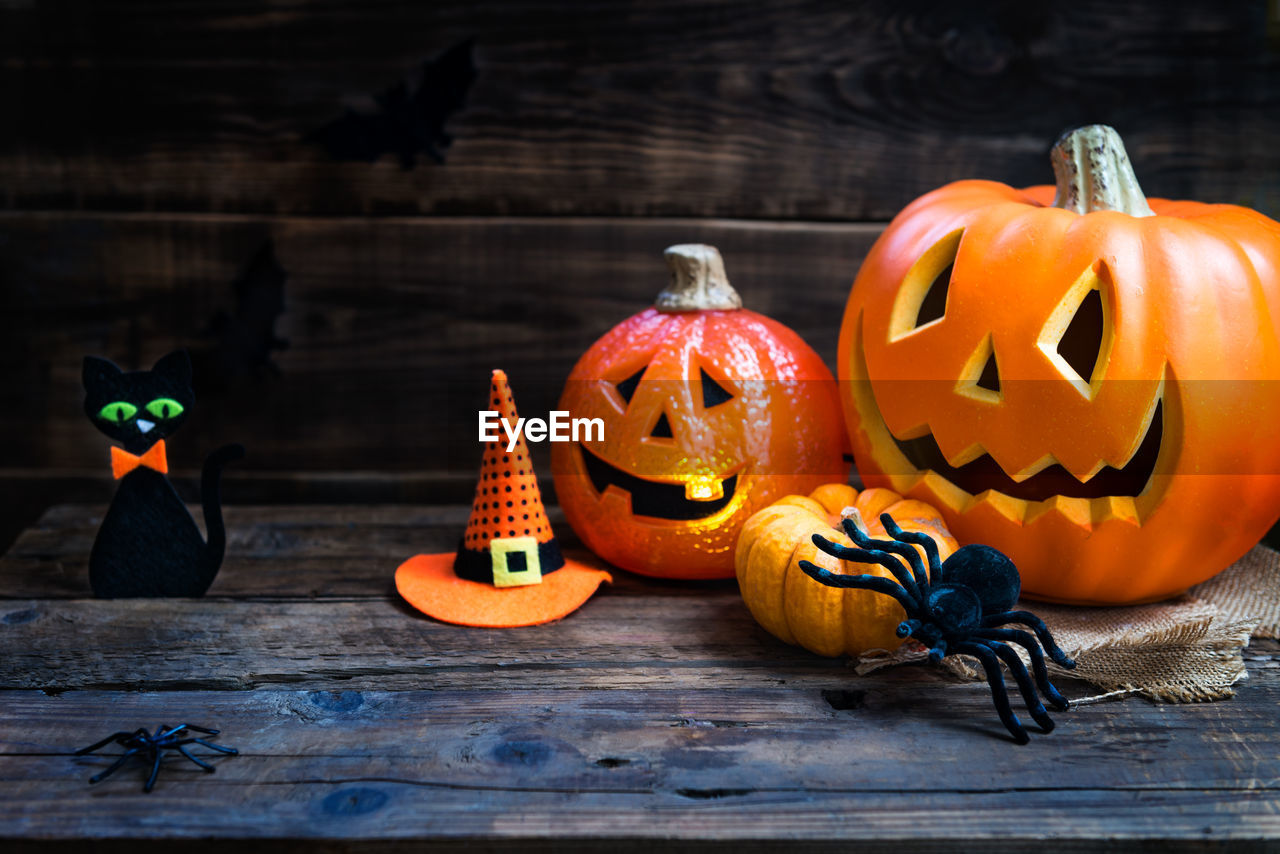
(148, 544)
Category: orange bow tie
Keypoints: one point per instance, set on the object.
(123, 462)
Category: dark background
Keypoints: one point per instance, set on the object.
(182, 174)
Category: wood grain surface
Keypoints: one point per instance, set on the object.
(158, 159)
(658, 714)
(787, 109)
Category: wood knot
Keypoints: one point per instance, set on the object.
(359, 800)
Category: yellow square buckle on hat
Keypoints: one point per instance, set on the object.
(515, 561)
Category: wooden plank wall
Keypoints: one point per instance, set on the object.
(151, 151)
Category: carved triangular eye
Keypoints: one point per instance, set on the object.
(1078, 335)
(1081, 344)
(662, 430)
(713, 394)
(934, 305)
(922, 299)
(627, 388)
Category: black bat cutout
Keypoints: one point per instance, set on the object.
(246, 336)
(410, 116)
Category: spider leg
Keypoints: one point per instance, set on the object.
(200, 729)
(1020, 675)
(1036, 625)
(1037, 661)
(221, 748)
(999, 696)
(113, 768)
(912, 627)
(104, 742)
(860, 537)
(939, 651)
(915, 538)
(885, 559)
(918, 575)
(860, 582)
(205, 765)
(155, 771)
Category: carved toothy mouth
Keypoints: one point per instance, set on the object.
(651, 498)
(983, 473)
(1127, 494)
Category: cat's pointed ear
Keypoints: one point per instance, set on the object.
(97, 371)
(176, 365)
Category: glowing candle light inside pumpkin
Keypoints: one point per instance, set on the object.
(703, 488)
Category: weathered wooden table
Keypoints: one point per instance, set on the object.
(657, 713)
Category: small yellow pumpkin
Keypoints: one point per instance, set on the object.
(793, 607)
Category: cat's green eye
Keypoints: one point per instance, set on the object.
(164, 407)
(118, 411)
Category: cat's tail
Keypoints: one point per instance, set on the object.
(211, 496)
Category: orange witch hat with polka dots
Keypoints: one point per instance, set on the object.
(508, 570)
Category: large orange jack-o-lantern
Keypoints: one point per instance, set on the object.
(710, 412)
(1087, 383)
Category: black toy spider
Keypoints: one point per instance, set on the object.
(152, 746)
(960, 610)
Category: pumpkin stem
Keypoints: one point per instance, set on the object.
(1093, 173)
(698, 281)
(854, 514)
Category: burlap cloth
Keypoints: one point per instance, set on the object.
(1184, 650)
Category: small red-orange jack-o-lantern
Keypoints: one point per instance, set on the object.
(710, 412)
(1088, 383)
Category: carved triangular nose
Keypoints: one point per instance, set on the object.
(662, 429)
(144, 426)
(990, 377)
